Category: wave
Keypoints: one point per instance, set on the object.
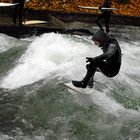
(45, 55)
(48, 110)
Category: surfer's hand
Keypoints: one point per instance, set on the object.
(90, 60)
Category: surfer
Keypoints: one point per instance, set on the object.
(107, 63)
(105, 15)
(18, 11)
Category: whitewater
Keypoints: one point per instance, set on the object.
(34, 105)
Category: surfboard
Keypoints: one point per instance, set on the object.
(3, 4)
(96, 8)
(86, 91)
(30, 22)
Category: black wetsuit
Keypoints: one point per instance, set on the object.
(105, 15)
(109, 62)
(18, 11)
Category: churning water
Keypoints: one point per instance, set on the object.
(35, 107)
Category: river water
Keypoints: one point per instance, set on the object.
(34, 106)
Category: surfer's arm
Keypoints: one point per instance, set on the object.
(87, 31)
(111, 50)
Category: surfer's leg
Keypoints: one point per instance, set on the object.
(91, 69)
(85, 81)
(106, 68)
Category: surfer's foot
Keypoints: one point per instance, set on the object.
(79, 84)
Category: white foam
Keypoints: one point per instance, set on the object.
(48, 54)
(53, 55)
(6, 42)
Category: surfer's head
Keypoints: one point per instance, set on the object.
(100, 37)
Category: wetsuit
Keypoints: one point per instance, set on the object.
(109, 62)
(18, 11)
(105, 15)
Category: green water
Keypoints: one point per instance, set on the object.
(44, 110)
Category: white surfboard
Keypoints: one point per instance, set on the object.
(96, 8)
(30, 22)
(85, 91)
(4, 4)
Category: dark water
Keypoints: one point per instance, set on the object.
(33, 105)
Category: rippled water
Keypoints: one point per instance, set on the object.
(35, 107)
